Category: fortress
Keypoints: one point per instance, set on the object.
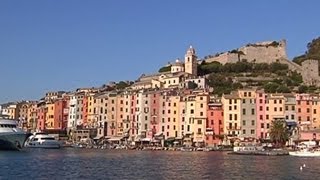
(269, 52)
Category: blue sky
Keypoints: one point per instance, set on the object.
(48, 45)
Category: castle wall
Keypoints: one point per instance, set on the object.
(263, 52)
(310, 72)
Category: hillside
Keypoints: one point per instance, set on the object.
(313, 52)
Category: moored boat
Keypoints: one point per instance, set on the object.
(11, 136)
(42, 140)
(305, 153)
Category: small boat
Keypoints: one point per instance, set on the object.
(305, 153)
(11, 137)
(42, 140)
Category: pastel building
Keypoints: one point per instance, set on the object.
(50, 121)
(304, 111)
(232, 112)
(248, 118)
(316, 112)
(72, 119)
(263, 124)
(214, 124)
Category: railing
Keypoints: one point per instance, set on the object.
(234, 128)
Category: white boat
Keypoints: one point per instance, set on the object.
(42, 140)
(305, 153)
(11, 137)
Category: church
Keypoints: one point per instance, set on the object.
(181, 75)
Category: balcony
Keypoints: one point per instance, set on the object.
(234, 128)
(125, 120)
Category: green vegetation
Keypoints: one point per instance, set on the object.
(313, 52)
(122, 85)
(279, 133)
(221, 84)
(241, 67)
(274, 77)
(165, 69)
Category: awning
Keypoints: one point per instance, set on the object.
(170, 139)
(98, 137)
(115, 139)
(179, 138)
(155, 141)
(146, 139)
(159, 134)
(198, 140)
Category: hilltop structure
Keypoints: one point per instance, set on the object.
(269, 52)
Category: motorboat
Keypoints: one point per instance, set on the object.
(306, 152)
(42, 140)
(11, 136)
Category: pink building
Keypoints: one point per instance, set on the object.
(262, 122)
(154, 108)
(304, 110)
(41, 112)
(214, 124)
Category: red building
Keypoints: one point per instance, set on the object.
(60, 117)
(154, 108)
(214, 124)
(41, 113)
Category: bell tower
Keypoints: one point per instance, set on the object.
(191, 61)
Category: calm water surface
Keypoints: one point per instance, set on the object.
(106, 164)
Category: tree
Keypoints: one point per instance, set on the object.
(279, 133)
(122, 85)
(165, 69)
(313, 52)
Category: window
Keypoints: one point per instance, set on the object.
(293, 108)
(245, 94)
(267, 108)
(308, 109)
(191, 111)
(262, 125)
(280, 109)
(230, 101)
(230, 117)
(243, 111)
(268, 125)
(252, 123)
(235, 117)
(244, 131)
(275, 109)
(267, 116)
(252, 111)
(314, 111)
(201, 113)
(292, 116)
(275, 101)
(244, 122)
(230, 108)
(201, 105)
(199, 121)
(260, 108)
(252, 131)
(299, 110)
(261, 117)
(299, 118)
(199, 131)
(243, 101)
(211, 122)
(235, 107)
(249, 94)
(260, 101)
(287, 108)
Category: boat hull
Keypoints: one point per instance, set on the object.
(305, 154)
(12, 141)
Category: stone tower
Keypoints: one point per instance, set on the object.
(310, 72)
(191, 61)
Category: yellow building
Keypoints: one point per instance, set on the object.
(232, 112)
(275, 108)
(13, 111)
(49, 124)
(316, 112)
(32, 117)
(200, 118)
(120, 114)
(92, 117)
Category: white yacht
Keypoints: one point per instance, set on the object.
(42, 140)
(11, 137)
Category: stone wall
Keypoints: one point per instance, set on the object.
(310, 72)
(263, 52)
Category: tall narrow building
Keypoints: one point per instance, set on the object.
(191, 61)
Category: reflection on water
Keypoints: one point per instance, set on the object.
(102, 164)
